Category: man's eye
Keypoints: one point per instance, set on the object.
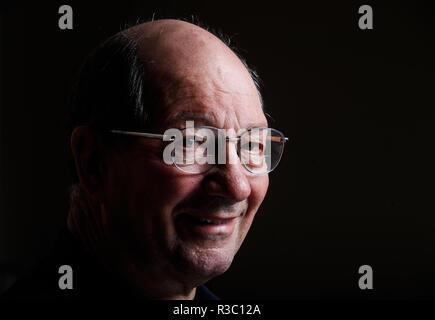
(253, 147)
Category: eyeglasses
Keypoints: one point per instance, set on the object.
(193, 149)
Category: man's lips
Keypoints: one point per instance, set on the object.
(210, 218)
(206, 225)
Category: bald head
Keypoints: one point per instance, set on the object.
(182, 47)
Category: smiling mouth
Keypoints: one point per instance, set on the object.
(206, 221)
(193, 226)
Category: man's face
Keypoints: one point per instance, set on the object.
(160, 210)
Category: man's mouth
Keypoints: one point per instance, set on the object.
(205, 221)
(205, 226)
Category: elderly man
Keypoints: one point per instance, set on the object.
(138, 226)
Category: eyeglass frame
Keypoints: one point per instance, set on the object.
(161, 137)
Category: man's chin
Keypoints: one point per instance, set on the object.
(204, 263)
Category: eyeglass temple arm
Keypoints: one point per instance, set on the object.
(238, 138)
(141, 134)
(161, 136)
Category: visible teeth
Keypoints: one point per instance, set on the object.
(209, 221)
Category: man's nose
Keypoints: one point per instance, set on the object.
(228, 180)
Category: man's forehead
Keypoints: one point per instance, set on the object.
(207, 102)
(213, 119)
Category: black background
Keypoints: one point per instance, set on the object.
(356, 183)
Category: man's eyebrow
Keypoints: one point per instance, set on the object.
(202, 118)
(257, 125)
(207, 119)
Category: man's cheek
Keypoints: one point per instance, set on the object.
(180, 187)
(261, 192)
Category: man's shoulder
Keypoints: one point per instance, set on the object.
(40, 284)
(203, 293)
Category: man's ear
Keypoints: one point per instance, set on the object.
(88, 156)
